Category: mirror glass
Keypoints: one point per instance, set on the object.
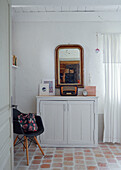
(69, 65)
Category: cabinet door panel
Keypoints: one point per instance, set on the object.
(80, 122)
(54, 118)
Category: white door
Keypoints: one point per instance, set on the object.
(5, 110)
(80, 122)
(55, 122)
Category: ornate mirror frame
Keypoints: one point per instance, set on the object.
(81, 65)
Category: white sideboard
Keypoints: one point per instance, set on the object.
(68, 121)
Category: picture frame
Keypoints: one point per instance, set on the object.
(51, 83)
(43, 89)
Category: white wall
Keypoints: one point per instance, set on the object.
(34, 44)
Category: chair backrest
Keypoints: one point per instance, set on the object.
(16, 125)
(15, 114)
(39, 123)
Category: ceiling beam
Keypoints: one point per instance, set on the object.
(66, 2)
(68, 17)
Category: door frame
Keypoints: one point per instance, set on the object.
(10, 79)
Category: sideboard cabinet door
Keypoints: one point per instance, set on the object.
(80, 122)
(54, 115)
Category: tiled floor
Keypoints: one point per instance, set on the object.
(103, 157)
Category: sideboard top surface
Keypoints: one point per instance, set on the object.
(67, 97)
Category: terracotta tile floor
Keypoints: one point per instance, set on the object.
(103, 157)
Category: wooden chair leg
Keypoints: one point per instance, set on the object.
(39, 145)
(24, 143)
(27, 156)
(15, 140)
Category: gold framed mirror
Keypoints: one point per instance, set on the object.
(69, 63)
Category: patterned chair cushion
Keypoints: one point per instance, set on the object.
(28, 122)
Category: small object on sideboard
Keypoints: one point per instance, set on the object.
(91, 90)
(69, 90)
(85, 93)
(43, 89)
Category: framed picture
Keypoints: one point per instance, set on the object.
(43, 89)
(51, 83)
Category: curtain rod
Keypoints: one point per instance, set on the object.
(102, 33)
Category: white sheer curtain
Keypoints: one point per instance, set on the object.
(112, 106)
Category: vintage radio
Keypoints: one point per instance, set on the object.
(68, 90)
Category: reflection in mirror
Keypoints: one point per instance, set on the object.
(69, 65)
